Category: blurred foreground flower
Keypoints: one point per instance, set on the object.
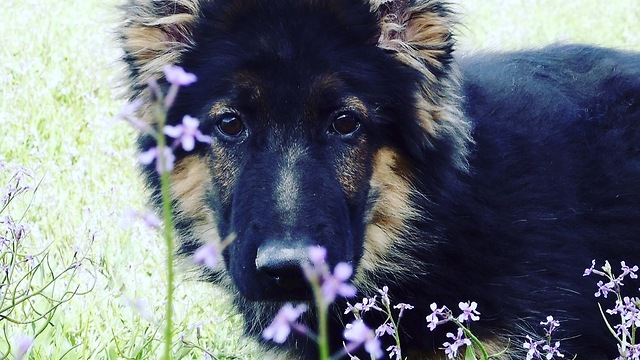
(284, 321)
(187, 133)
(22, 343)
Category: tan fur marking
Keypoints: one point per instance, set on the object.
(497, 347)
(351, 169)
(219, 108)
(224, 172)
(353, 103)
(190, 180)
(390, 213)
(326, 81)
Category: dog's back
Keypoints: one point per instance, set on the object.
(555, 182)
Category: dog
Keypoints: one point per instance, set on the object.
(354, 125)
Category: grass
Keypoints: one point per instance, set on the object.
(58, 67)
(513, 24)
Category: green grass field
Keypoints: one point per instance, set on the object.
(58, 99)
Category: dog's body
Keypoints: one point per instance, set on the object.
(350, 124)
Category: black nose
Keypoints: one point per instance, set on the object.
(280, 264)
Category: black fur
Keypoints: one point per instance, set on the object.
(553, 178)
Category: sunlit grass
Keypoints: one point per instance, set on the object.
(58, 70)
(514, 24)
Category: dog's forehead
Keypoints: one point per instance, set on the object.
(290, 74)
(289, 27)
(279, 94)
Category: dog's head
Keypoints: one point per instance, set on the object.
(319, 110)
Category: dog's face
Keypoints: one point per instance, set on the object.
(315, 128)
(291, 94)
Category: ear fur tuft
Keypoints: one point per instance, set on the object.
(419, 34)
(155, 33)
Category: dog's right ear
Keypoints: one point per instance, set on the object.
(420, 35)
(155, 33)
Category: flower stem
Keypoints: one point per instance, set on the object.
(168, 236)
(323, 333)
(323, 328)
(474, 340)
(168, 231)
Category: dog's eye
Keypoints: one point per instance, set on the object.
(345, 124)
(230, 125)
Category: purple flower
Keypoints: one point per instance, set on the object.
(384, 296)
(622, 330)
(187, 133)
(394, 350)
(207, 255)
(331, 285)
(469, 311)
(386, 328)
(451, 349)
(618, 308)
(532, 348)
(18, 231)
(626, 270)
(630, 313)
(23, 344)
(284, 321)
(604, 289)
(128, 114)
(552, 351)
(207, 355)
(402, 307)
(630, 352)
(141, 305)
(588, 271)
(152, 154)
(357, 333)
(317, 255)
(30, 260)
(336, 283)
(352, 309)
(149, 218)
(317, 267)
(177, 76)
(366, 304)
(553, 324)
(437, 316)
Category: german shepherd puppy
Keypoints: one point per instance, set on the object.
(353, 125)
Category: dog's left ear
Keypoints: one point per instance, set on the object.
(420, 34)
(155, 33)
